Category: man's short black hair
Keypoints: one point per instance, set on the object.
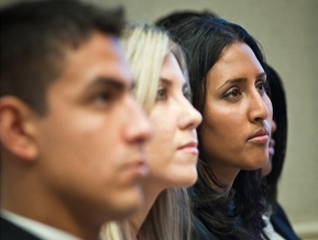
(34, 37)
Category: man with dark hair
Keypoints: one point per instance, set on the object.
(71, 133)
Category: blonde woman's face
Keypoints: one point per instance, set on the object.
(173, 149)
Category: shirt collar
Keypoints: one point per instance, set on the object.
(36, 228)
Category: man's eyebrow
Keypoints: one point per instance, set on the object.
(109, 82)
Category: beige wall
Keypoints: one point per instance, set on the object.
(288, 32)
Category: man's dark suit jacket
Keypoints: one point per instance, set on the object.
(281, 223)
(10, 231)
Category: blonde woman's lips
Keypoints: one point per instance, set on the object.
(191, 147)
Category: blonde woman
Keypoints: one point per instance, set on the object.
(162, 90)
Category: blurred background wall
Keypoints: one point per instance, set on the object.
(288, 33)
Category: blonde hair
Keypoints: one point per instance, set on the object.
(111, 231)
(115, 230)
(146, 47)
(169, 218)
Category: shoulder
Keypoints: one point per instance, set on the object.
(281, 223)
(10, 231)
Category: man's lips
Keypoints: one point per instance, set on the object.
(138, 165)
(139, 168)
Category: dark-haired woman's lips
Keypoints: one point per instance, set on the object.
(261, 136)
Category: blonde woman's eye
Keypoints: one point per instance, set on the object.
(161, 94)
(187, 94)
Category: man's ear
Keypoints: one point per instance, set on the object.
(18, 128)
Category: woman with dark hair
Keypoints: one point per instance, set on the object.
(277, 149)
(227, 77)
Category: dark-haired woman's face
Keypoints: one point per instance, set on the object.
(238, 113)
(267, 168)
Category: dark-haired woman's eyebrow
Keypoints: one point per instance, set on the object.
(261, 75)
(240, 80)
(232, 81)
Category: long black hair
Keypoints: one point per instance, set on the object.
(238, 215)
(278, 98)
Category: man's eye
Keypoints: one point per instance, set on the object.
(103, 97)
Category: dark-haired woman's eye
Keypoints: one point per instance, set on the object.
(262, 87)
(233, 93)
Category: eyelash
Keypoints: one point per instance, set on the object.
(263, 87)
(103, 98)
(187, 93)
(233, 91)
(161, 94)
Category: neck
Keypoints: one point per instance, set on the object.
(151, 191)
(225, 174)
(18, 196)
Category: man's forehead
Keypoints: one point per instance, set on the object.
(121, 67)
(101, 60)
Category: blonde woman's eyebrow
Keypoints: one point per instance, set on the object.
(165, 81)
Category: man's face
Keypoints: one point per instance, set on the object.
(91, 139)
